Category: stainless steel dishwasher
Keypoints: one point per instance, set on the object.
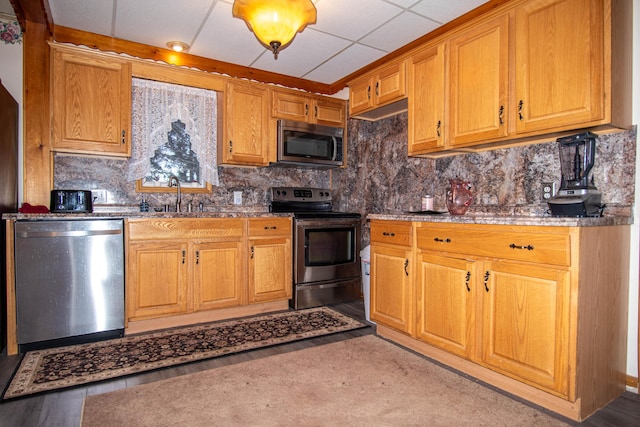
(69, 281)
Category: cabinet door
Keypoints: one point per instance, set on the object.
(291, 106)
(91, 103)
(390, 84)
(526, 324)
(446, 309)
(217, 275)
(330, 112)
(391, 287)
(479, 83)
(426, 101)
(157, 283)
(247, 126)
(270, 269)
(360, 96)
(559, 64)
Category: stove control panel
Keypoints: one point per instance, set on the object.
(300, 194)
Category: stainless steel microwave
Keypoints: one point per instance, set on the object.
(305, 144)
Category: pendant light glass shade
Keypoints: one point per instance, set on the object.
(275, 22)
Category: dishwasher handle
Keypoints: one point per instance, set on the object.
(69, 233)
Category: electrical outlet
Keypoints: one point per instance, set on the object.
(237, 197)
(548, 190)
(99, 196)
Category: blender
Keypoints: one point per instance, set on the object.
(577, 196)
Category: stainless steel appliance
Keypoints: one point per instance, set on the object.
(69, 281)
(305, 144)
(577, 196)
(71, 201)
(326, 247)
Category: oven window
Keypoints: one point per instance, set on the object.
(329, 246)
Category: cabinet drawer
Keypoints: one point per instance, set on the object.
(528, 246)
(184, 228)
(270, 227)
(392, 232)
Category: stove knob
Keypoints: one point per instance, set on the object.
(284, 192)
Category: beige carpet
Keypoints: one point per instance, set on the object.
(362, 381)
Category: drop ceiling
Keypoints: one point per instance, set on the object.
(347, 36)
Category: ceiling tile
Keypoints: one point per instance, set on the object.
(346, 62)
(227, 39)
(354, 19)
(92, 16)
(399, 31)
(444, 11)
(156, 22)
(295, 59)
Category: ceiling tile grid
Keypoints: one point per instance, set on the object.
(347, 36)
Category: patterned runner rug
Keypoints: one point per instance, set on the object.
(51, 369)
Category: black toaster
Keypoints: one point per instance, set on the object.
(72, 201)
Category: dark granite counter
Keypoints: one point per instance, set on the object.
(506, 220)
(130, 212)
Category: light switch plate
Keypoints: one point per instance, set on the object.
(237, 197)
(99, 196)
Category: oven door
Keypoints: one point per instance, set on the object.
(326, 249)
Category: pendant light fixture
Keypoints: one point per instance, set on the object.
(275, 22)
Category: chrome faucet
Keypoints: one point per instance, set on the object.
(178, 196)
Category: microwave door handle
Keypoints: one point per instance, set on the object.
(335, 148)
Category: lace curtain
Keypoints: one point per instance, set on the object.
(173, 132)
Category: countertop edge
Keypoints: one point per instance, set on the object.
(507, 220)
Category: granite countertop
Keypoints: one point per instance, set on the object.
(105, 211)
(545, 220)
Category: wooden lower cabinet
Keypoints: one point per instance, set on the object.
(538, 311)
(185, 266)
(270, 259)
(391, 276)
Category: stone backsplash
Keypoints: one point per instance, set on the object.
(380, 178)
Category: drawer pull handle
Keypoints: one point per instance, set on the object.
(520, 105)
(486, 280)
(183, 256)
(273, 227)
(466, 281)
(197, 257)
(514, 246)
(388, 234)
(447, 240)
(406, 264)
(252, 252)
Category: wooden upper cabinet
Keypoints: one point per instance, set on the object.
(560, 64)
(308, 108)
(90, 103)
(385, 86)
(426, 121)
(479, 83)
(247, 126)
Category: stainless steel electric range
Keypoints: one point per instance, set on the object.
(326, 247)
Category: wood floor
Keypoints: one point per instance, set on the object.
(64, 408)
